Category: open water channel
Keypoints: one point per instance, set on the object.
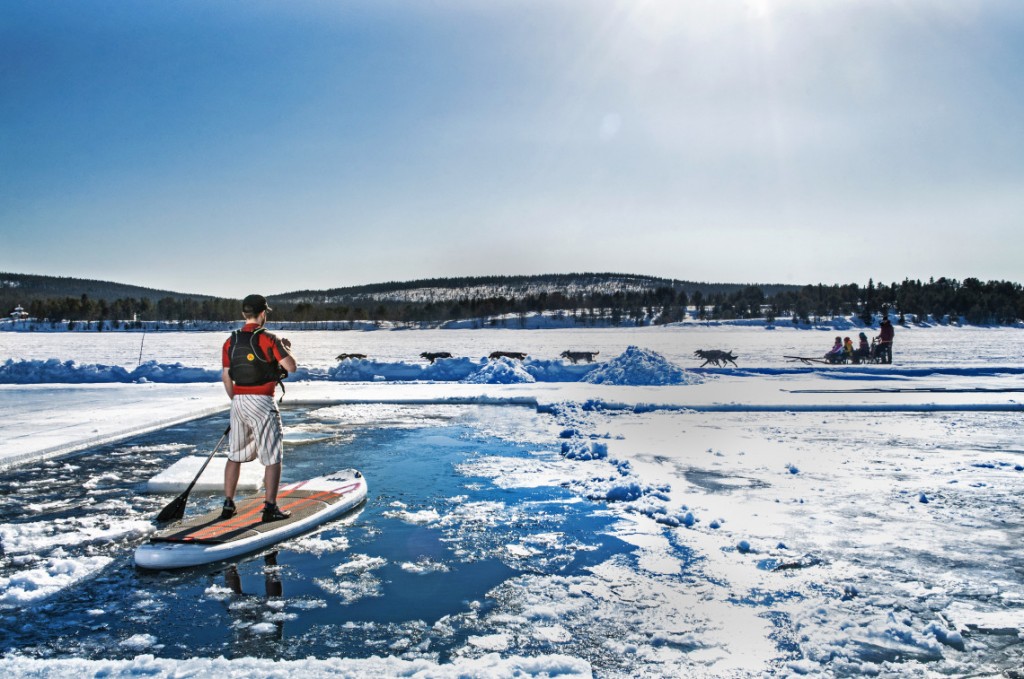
(407, 574)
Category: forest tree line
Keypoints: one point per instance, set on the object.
(974, 301)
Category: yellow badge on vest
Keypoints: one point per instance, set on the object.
(251, 357)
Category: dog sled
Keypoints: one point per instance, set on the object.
(840, 360)
(810, 360)
(878, 352)
(807, 360)
(874, 355)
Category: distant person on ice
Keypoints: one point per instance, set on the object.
(863, 348)
(254, 362)
(835, 354)
(886, 333)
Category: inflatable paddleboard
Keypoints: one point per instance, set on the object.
(206, 538)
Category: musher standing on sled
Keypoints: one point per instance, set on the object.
(254, 362)
(886, 333)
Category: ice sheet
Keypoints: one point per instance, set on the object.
(176, 478)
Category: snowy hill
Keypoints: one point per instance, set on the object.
(438, 290)
(589, 299)
(27, 287)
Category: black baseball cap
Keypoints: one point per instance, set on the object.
(254, 304)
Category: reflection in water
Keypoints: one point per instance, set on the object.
(251, 617)
(271, 572)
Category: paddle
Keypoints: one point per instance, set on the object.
(176, 509)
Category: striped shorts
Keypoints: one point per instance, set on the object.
(255, 430)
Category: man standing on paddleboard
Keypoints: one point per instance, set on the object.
(254, 361)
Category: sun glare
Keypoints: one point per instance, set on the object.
(759, 9)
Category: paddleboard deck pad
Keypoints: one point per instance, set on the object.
(207, 538)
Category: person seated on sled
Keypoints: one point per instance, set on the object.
(863, 352)
(835, 354)
(848, 348)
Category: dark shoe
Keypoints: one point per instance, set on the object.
(271, 512)
(229, 509)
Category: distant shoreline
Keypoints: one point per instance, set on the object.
(535, 322)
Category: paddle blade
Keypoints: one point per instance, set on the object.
(174, 511)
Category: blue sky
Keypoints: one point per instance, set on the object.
(222, 147)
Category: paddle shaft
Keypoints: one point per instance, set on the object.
(176, 508)
(203, 468)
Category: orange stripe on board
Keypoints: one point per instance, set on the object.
(240, 520)
(340, 491)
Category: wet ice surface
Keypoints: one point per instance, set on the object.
(646, 543)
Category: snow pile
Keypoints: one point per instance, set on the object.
(578, 449)
(368, 370)
(557, 370)
(53, 371)
(949, 637)
(151, 371)
(623, 486)
(501, 371)
(460, 369)
(634, 367)
(613, 481)
(640, 367)
(447, 370)
(349, 370)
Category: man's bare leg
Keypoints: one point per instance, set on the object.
(271, 479)
(232, 470)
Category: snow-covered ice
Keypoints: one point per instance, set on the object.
(781, 519)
